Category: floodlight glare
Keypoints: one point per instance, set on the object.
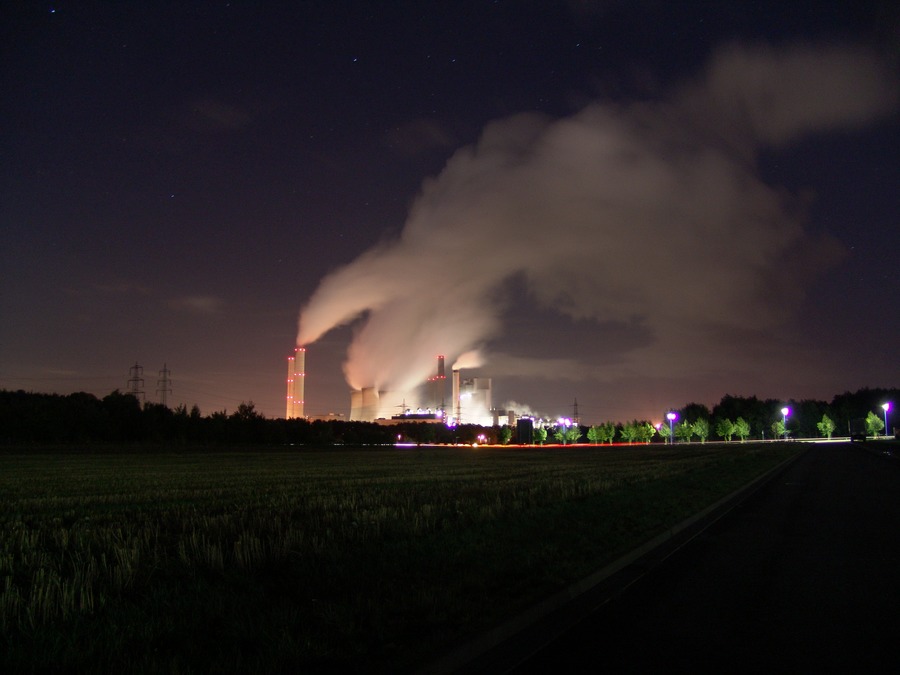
(671, 417)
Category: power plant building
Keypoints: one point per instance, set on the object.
(470, 403)
(471, 398)
(370, 405)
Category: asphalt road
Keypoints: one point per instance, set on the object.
(801, 577)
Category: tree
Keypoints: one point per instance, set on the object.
(609, 432)
(684, 431)
(573, 434)
(629, 432)
(246, 412)
(701, 429)
(124, 414)
(505, 434)
(756, 413)
(246, 423)
(644, 432)
(602, 433)
(873, 424)
(559, 433)
(826, 426)
(849, 406)
(778, 428)
(804, 416)
(725, 428)
(540, 435)
(694, 411)
(741, 428)
(665, 432)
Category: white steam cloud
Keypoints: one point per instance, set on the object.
(471, 359)
(650, 213)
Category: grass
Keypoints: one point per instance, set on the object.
(277, 561)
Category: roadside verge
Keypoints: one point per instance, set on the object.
(508, 644)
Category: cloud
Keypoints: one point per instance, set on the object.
(647, 214)
(776, 95)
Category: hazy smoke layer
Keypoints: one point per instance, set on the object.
(649, 212)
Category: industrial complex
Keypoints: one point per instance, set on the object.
(469, 402)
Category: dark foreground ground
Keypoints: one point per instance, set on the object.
(803, 576)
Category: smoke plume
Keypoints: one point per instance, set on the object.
(648, 213)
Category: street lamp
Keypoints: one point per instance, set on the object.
(671, 417)
(784, 413)
(885, 407)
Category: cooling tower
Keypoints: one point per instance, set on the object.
(356, 404)
(369, 404)
(365, 404)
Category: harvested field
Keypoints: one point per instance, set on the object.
(268, 561)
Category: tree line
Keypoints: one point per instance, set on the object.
(82, 418)
(746, 418)
(743, 418)
(753, 418)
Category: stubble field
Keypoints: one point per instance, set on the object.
(318, 560)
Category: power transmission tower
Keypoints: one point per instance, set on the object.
(136, 382)
(575, 418)
(164, 386)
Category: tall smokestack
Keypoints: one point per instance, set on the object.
(297, 384)
(455, 394)
(439, 381)
(289, 412)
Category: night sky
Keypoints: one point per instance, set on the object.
(635, 204)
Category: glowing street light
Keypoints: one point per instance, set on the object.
(886, 407)
(671, 416)
(784, 413)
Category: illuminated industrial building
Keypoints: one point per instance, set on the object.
(471, 398)
(470, 401)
